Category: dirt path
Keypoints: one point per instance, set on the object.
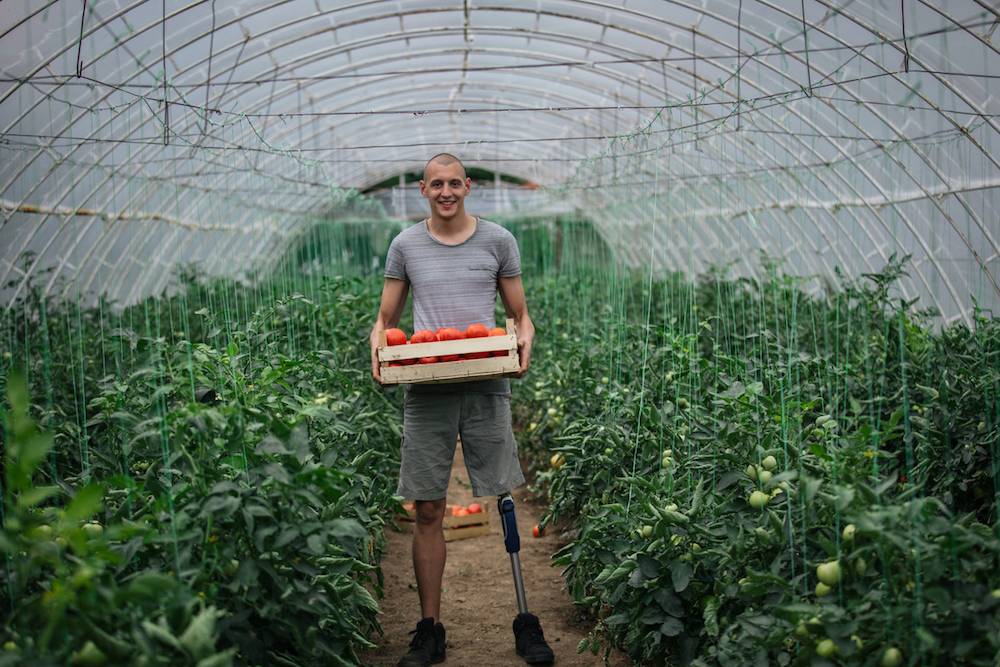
(478, 603)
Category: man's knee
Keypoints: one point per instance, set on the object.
(430, 513)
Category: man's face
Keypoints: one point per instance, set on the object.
(445, 187)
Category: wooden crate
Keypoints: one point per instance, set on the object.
(455, 527)
(462, 370)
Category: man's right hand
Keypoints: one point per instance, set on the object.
(375, 365)
(394, 294)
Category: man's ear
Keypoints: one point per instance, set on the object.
(468, 185)
(423, 188)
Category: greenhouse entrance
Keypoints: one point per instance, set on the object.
(734, 262)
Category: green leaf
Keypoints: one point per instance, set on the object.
(33, 451)
(224, 659)
(87, 501)
(681, 574)
(711, 616)
(671, 627)
(199, 636)
(35, 496)
(649, 566)
(151, 585)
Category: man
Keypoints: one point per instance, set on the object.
(455, 265)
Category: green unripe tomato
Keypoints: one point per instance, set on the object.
(10, 647)
(231, 567)
(93, 529)
(822, 589)
(683, 403)
(849, 531)
(552, 412)
(770, 463)
(801, 631)
(608, 451)
(857, 642)
(89, 656)
(666, 462)
(764, 476)
(892, 657)
(695, 547)
(758, 500)
(752, 472)
(647, 531)
(826, 648)
(672, 507)
(981, 426)
(829, 573)
(860, 566)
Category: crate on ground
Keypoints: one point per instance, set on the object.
(438, 372)
(455, 527)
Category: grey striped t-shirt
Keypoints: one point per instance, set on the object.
(454, 285)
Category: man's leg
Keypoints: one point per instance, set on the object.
(429, 553)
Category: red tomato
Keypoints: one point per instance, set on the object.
(462, 512)
(475, 508)
(499, 331)
(450, 333)
(423, 336)
(537, 532)
(477, 331)
(407, 362)
(395, 337)
(427, 360)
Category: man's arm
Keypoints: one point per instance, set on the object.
(394, 294)
(512, 295)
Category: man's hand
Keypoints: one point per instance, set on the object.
(394, 294)
(375, 365)
(512, 295)
(524, 351)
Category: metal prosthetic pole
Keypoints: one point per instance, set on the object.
(511, 540)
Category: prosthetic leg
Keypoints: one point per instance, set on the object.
(512, 541)
(529, 641)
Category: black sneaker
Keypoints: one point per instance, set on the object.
(427, 647)
(529, 642)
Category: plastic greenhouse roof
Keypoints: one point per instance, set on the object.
(139, 135)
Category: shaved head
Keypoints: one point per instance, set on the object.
(444, 159)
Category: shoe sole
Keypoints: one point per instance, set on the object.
(434, 661)
(536, 661)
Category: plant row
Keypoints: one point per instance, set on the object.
(748, 474)
(200, 480)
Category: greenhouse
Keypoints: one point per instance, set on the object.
(759, 242)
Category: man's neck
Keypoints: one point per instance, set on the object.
(453, 231)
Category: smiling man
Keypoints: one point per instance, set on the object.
(455, 265)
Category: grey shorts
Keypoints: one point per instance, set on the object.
(431, 426)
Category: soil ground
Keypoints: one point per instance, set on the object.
(478, 603)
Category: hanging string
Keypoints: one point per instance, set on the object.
(166, 104)
(79, 45)
(906, 47)
(739, 67)
(805, 37)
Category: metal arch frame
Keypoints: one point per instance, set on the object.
(911, 177)
(927, 162)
